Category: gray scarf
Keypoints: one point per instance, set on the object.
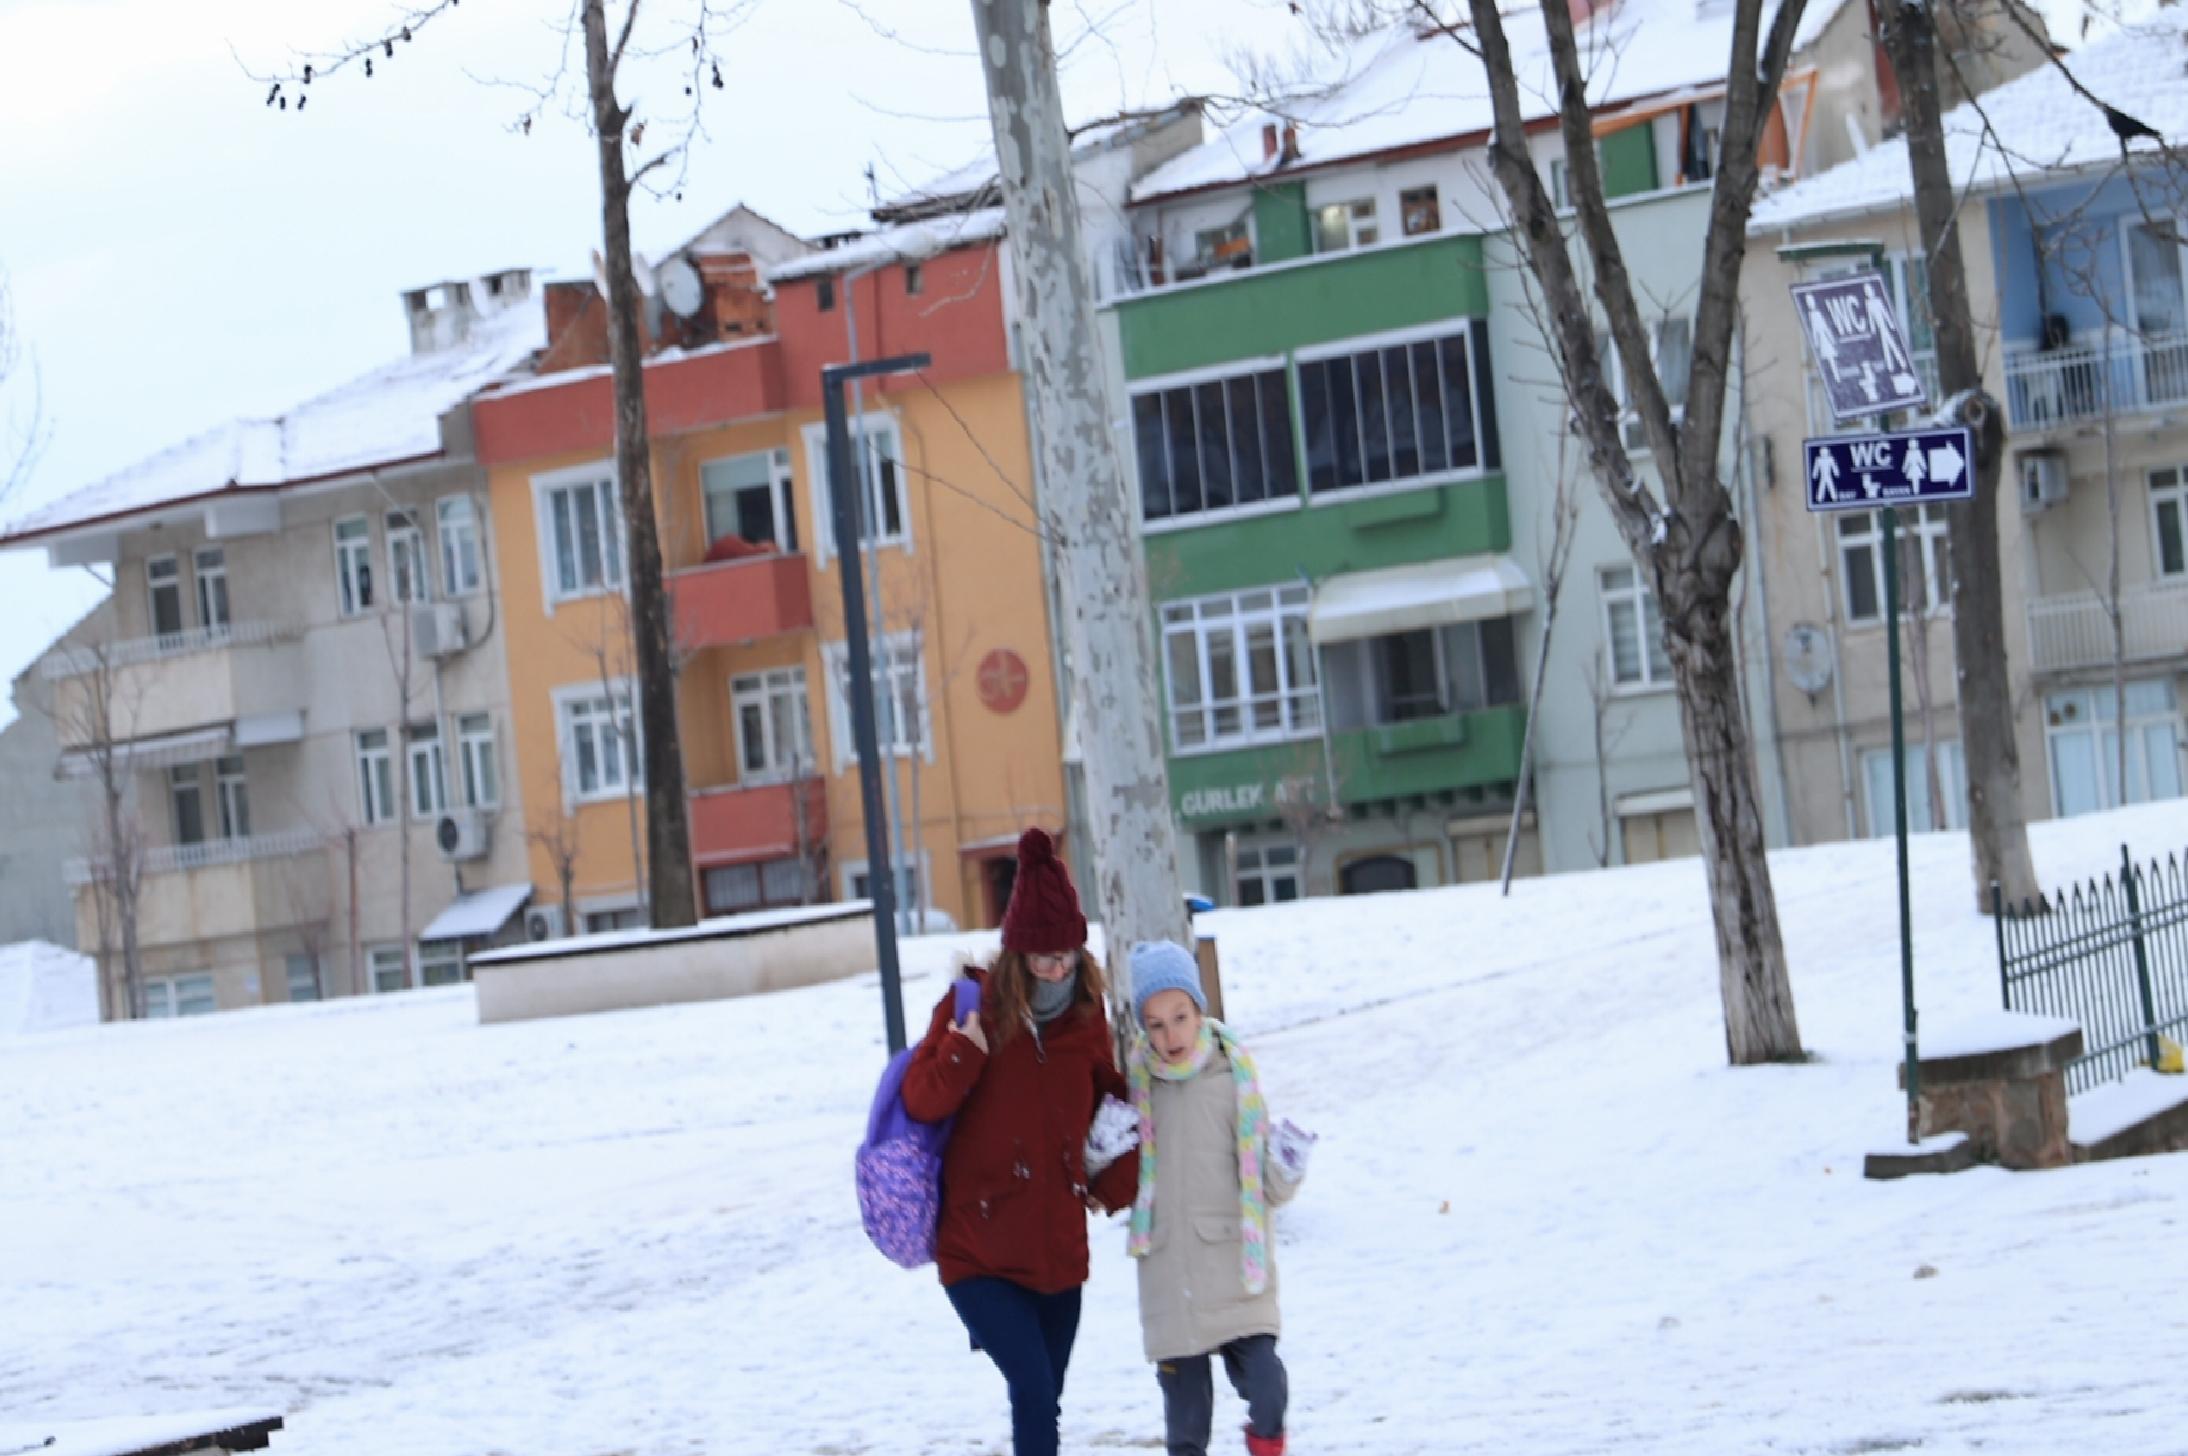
(1051, 999)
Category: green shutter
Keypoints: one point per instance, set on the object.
(1280, 223)
(1629, 161)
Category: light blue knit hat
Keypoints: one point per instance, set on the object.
(1164, 965)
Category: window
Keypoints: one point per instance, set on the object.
(1268, 872)
(234, 796)
(211, 566)
(375, 776)
(915, 280)
(440, 963)
(186, 792)
(390, 968)
(1461, 667)
(2157, 268)
(742, 888)
(1925, 576)
(581, 533)
(824, 293)
(2081, 731)
(1420, 211)
(463, 570)
(1671, 355)
(1406, 411)
(475, 754)
(1239, 669)
(1216, 444)
(900, 673)
(1343, 225)
(302, 974)
(428, 771)
(406, 570)
(1219, 247)
(1876, 779)
(599, 744)
(2169, 520)
(163, 590)
(774, 728)
(877, 453)
(859, 885)
(623, 917)
(166, 996)
(1634, 628)
(1378, 874)
(353, 563)
(1561, 185)
(748, 496)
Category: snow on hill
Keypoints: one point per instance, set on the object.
(1544, 1217)
(45, 988)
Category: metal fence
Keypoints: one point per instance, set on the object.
(2110, 955)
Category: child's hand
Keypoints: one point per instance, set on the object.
(971, 1029)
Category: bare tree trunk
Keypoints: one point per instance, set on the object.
(356, 935)
(2114, 611)
(1599, 694)
(1997, 830)
(670, 900)
(1086, 504)
(1564, 517)
(1914, 568)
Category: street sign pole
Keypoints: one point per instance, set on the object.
(1899, 814)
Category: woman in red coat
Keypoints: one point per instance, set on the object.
(1023, 1075)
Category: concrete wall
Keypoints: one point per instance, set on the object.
(44, 820)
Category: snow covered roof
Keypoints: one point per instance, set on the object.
(1398, 88)
(2043, 123)
(906, 243)
(478, 914)
(390, 415)
(953, 189)
(137, 1435)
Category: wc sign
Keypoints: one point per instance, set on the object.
(1909, 467)
(1860, 350)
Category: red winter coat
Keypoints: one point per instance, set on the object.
(1014, 1174)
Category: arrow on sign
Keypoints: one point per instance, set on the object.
(1946, 463)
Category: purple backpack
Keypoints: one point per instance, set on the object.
(900, 1163)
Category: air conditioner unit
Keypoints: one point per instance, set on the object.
(544, 922)
(461, 835)
(2043, 480)
(438, 628)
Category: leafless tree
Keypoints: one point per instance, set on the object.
(690, 31)
(1915, 622)
(1602, 700)
(1557, 554)
(97, 708)
(554, 834)
(24, 436)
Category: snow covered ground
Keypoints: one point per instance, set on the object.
(1544, 1217)
(44, 987)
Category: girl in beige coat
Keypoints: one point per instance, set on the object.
(1200, 1217)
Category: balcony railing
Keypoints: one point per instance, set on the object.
(170, 859)
(77, 661)
(2075, 385)
(2067, 632)
(762, 821)
(729, 602)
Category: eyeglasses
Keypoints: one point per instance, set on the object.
(1047, 961)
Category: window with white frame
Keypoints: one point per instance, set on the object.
(1212, 444)
(428, 771)
(407, 579)
(1420, 211)
(389, 968)
(301, 969)
(2082, 736)
(375, 776)
(481, 783)
(211, 566)
(1952, 786)
(163, 593)
(1408, 409)
(1671, 356)
(353, 563)
(1634, 628)
(900, 699)
(1344, 225)
(463, 569)
(581, 533)
(741, 888)
(1561, 184)
(1268, 872)
(748, 496)
(2169, 520)
(234, 797)
(186, 796)
(599, 743)
(440, 963)
(858, 884)
(877, 453)
(1925, 560)
(621, 917)
(774, 726)
(1240, 669)
(192, 995)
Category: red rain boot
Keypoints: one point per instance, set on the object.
(1263, 1445)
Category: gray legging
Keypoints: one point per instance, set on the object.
(1189, 1397)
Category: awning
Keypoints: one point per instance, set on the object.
(477, 915)
(1408, 598)
(195, 746)
(1655, 801)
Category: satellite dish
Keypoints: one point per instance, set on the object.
(1808, 657)
(681, 288)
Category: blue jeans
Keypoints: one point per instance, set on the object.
(1029, 1337)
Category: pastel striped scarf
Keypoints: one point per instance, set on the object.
(1253, 1124)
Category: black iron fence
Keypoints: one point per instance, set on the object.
(2110, 955)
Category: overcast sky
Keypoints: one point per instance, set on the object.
(181, 254)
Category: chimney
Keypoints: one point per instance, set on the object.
(443, 315)
(1268, 141)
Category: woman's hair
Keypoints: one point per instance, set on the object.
(1013, 982)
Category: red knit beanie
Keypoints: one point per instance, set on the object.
(1043, 916)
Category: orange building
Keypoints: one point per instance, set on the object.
(968, 714)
